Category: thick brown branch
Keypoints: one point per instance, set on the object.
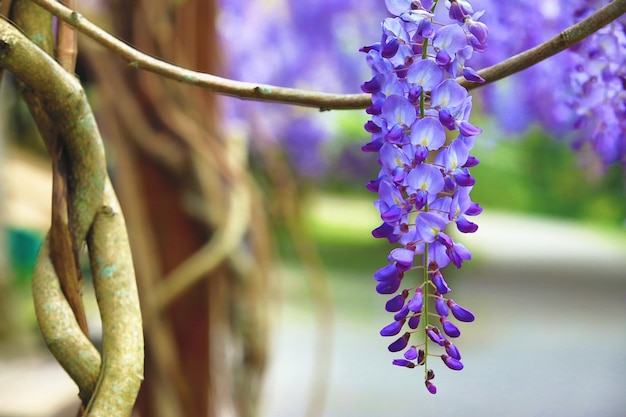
(324, 101)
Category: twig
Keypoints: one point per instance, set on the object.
(321, 100)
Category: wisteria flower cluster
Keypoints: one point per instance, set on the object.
(424, 182)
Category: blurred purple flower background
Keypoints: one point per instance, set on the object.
(577, 95)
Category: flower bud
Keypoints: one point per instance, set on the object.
(411, 354)
(417, 301)
(460, 313)
(441, 307)
(452, 363)
(449, 328)
(403, 362)
(435, 336)
(396, 303)
(392, 329)
(431, 387)
(399, 343)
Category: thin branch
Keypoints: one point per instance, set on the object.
(325, 101)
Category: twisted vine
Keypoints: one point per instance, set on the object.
(60, 108)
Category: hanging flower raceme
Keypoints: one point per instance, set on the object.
(424, 182)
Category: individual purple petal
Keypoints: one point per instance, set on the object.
(460, 313)
(397, 110)
(435, 336)
(471, 162)
(421, 356)
(404, 257)
(372, 86)
(425, 74)
(478, 29)
(390, 48)
(429, 225)
(368, 48)
(421, 153)
(437, 254)
(445, 240)
(440, 283)
(450, 38)
(400, 343)
(397, 7)
(447, 119)
(449, 328)
(386, 273)
(465, 226)
(474, 209)
(441, 307)
(395, 134)
(460, 9)
(468, 129)
(443, 58)
(372, 127)
(394, 161)
(388, 287)
(392, 215)
(376, 108)
(463, 178)
(448, 94)
(373, 185)
(392, 329)
(403, 362)
(452, 350)
(428, 132)
(414, 322)
(458, 254)
(417, 301)
(396, 303)
(457, 155)
(373, 146)
(414, 94)
(452, 363)
(401, 315)
(421, 198)
(431, 387)
(411, 353)
(470, 74)
(430, 375)
(384, 230)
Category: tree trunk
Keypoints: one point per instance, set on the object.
(179, 180)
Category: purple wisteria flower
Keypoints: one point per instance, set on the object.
(424, 182)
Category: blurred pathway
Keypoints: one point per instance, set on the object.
(549, 340)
